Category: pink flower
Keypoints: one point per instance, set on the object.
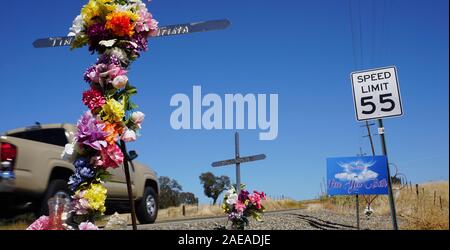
(87, 226)
(145, 22)
(112, 156)
(41, 223)
(113, 71)
(240, 206)
(137, 118)
(80, 205)
(255, 199)
(129, 135)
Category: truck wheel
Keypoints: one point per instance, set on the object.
(147, 208)
(55, 186)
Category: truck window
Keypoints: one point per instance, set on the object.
(55, 136)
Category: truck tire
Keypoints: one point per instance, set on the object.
(55, 186)
(147, 208)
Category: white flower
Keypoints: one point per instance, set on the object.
(68, 152)
(77, 26)
(137, 118)
(108, 43)
(230, 191)
(119, 53)
(232, 199)
(122, 8)
(120, 81)
(129, 135)
(139, 4)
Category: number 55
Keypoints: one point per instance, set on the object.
(365, 101)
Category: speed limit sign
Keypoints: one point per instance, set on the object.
(376, 93)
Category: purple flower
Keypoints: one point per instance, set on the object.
(96, 33)
(90, 74)
(141, 40)
(108, 59)
(90, 132)
(84, 168)
(83, 172)
(74, 181)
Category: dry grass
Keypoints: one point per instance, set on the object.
(193, 211)
(423, 211)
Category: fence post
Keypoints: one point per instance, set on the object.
(184, 210)
(434, 198)
(417, 190)
(440, 201)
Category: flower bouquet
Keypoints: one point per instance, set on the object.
(240, 207)
(117, 30)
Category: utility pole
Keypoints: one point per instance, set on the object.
(369, 134)
(391, 195)
(361, 153)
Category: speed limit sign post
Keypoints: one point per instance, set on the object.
(376, 95)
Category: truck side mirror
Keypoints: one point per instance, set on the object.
(132, 154)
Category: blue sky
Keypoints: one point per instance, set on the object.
(300, 50)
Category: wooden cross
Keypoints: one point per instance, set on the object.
(169, 30)
(238, 160)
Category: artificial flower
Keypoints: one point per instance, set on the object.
(42, 223)
(120, 81)
(97, 33)
(240, 206)
(90, 132)
(145, 21)
(118, 53)
(112, 156)
(95, 9)
(84, 171)
(232, 199)
(129, 135)
(77, 26)
(93, 99)
(87, 226)
(121, 23)
(69, 150)
(137, 118)
(113, 130)
(92, 198)
(113, 111)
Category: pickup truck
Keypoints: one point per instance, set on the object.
(32, 171)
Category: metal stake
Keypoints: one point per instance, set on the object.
(357, 212)
(391, 195)
(127, 176)
(238, 164)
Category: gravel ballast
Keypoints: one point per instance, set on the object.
(286, 220)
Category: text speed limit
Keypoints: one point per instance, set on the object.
(376, 93)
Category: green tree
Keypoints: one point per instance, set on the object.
(169, 192)
(187, 198)
(214, 185)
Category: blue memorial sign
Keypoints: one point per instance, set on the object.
(357, 175)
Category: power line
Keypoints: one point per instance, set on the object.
(360, 35)
(355, 62)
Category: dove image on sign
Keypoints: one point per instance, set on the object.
(376, 93)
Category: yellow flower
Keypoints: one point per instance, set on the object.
(113, 111)
(96, 196)
(96, 9)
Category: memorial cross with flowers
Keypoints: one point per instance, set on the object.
(117, 30)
